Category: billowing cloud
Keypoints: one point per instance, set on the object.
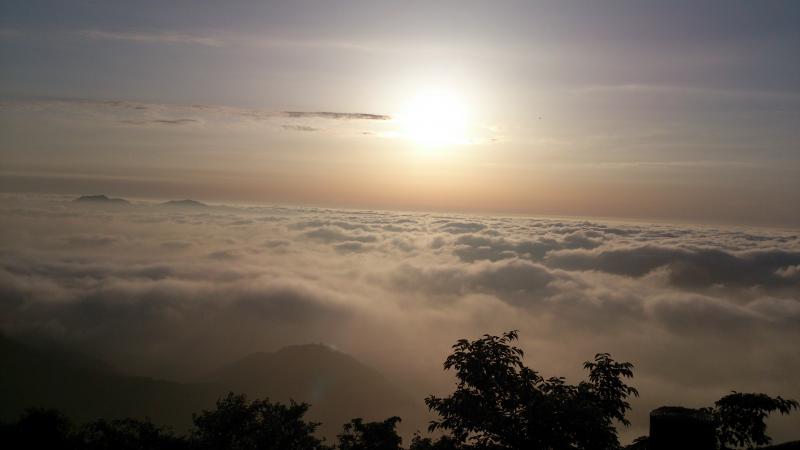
(460, 227)
(331, 234)
(84, 240)
(700, 311)
(688, 267)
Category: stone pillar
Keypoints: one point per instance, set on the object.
(677, 428)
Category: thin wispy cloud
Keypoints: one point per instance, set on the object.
(299, 128)
(226, 39)
(142, 113)
(161, 121)
(262, 42)
(152, 38)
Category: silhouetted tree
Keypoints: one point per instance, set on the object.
(40, 428)
(237, 424)
(739, 418)
(499, 403)
(129, 434)
(358, 435)
(442, 443)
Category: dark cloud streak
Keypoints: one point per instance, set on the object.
(336, 115)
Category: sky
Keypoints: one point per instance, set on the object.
(680, 111)
(389, 177)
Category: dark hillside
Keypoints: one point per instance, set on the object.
(87, 390)
(338, 386)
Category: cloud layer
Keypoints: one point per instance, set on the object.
(174, 291)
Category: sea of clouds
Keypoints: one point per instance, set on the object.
(177, 291)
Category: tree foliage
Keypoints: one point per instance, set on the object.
(50, 429)
(40, 428)
(358, 435)
(237, 424)
(499, 403)
(128, 434)
(442, 443)
(739, 418)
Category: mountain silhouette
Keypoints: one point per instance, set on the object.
(338, 387)
(185, 203)
(101, 198)
(87, 389)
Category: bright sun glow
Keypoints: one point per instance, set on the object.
(435, 119)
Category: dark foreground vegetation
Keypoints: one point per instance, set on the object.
(498, 404)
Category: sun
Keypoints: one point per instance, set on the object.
(435, 119)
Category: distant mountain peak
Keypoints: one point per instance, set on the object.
(100, 198)
(337, 385)
(185, 203)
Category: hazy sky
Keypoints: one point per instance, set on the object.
(676, 110)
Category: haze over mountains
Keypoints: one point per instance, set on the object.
(338, 387)
(104, 199)
(87, 390)
(185, 203)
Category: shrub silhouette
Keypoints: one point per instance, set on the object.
(358, 435)
(237, 424)
(129, 434)
(499, 403)
(442, 443)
